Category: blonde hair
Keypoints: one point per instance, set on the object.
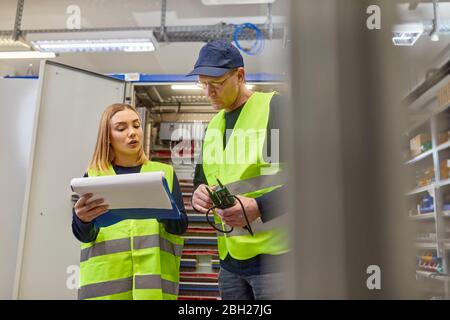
(103, 153)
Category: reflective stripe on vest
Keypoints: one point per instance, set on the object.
(256, 183)
(148, 282)
(241, 167)
(106, 288)
(132, 259)
(121, 245)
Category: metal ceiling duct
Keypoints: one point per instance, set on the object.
(201, 33)
(163, 33)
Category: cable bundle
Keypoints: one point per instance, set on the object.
(242, 31)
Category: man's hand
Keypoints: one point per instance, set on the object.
(234, 216)
(200, 199)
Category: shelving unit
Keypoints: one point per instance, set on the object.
(424, 216)
(444, 183)
(427, 245)
(427, 188)
(433, 240)
(443, 146)
(167, 111)
(420, 157)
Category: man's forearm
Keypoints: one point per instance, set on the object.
(270, 204)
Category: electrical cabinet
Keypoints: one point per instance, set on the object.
(69, 104)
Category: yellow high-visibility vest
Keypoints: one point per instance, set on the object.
(132, 259)
(242, 160)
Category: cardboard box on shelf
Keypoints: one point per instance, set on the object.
(425, 176)
(444, 96)
(445, 169)
(419, 144)
(443, 137)
(424, 182)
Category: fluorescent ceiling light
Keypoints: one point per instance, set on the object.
(26, 55)
(407, 34)
(405, 38)
(129, 45)
(222, 2)
(195, 87)
(125, 41)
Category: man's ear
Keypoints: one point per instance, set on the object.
(241, 74)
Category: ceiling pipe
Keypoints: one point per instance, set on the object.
(14, 39)
(200, 33)
(18, 21)
(163, 20)
(435, 33)
(414, 3)
(443, 27)
(269, 19)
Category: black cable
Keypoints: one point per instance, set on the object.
(248, 227)
(212, 224)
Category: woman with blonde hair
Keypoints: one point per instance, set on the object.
(133, 258)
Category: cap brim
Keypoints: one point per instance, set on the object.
(208, 71)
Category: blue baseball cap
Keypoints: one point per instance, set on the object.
(217, 58)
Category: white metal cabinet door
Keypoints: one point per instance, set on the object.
(17, 110)
(69, 110)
